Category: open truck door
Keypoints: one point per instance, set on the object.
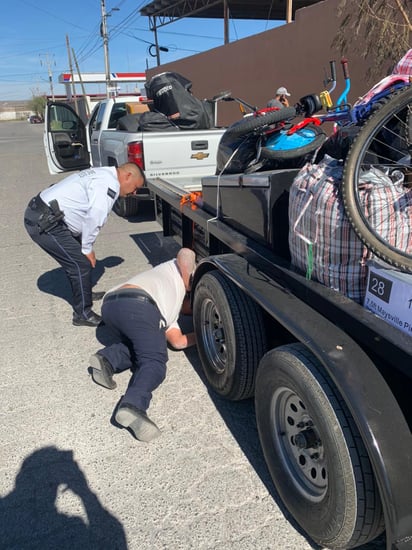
(65, 139)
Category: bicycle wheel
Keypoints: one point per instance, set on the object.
(377, 182)
(255, 122)
(282, 145)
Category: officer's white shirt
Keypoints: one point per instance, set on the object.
(86, 198)
(165, 285)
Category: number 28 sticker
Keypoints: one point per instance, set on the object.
(380, 286)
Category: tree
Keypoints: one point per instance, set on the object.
(38, 104)
(381, 28)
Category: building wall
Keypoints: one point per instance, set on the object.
(294, 55)
(15, 115)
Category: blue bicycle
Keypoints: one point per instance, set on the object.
(307, 135)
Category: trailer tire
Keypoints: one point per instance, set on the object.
(230, 335)
(314, 451)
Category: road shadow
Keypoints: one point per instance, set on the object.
(30, 519)
(156, 247)
(55, 282)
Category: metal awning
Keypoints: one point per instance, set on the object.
(167, 11)
(163, 12)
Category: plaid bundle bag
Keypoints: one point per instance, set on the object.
(321, 239)
(404, 66)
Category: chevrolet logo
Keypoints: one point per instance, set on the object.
(199, 155)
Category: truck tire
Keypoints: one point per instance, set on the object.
(314, 451)
(126, 206)
(230, 335)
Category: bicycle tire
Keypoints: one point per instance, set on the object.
(289, 146)
(384, 146)
(256, 122)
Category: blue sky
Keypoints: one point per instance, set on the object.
(33, 40)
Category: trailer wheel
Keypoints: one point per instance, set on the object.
(230, 335)
(314, 451)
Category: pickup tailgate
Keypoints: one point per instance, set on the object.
(181, 154)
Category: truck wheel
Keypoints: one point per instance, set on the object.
(126, 207)
(314, 451)
(230, 335)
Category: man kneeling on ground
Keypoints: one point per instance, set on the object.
(144, 313)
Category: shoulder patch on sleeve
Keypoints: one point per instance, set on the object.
(111, 193)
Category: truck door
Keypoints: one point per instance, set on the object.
(65, 139)
(95, 127)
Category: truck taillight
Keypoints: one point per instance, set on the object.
(135, 153)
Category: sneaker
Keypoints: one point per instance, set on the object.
(96, 295)
(102, 371)
(137, 421)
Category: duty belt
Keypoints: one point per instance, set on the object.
(50, 214)
(135, 293)
(39, 205)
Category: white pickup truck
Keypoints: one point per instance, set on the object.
(72, 145)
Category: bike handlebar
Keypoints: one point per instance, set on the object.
(332, 71)
(345, 68)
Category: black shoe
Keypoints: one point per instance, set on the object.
(102, 371)
(92, 320)
(96, 296)
(137, 421)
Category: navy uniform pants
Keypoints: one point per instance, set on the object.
(143, 346)
(66, 250)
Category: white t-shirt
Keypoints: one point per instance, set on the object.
(165, 285)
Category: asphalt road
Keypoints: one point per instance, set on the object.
(68, 477)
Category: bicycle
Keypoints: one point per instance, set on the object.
(379, 160)
(295, 141)
(276, 138)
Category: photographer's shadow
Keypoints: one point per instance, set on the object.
(30, 518)
(55, 282)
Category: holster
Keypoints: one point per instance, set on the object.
(50, 218)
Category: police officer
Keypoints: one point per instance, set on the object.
(65, 219)
(144, 313)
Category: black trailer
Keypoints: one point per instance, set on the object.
(331, 381)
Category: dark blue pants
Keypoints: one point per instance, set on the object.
(143, 346)
(66, 250)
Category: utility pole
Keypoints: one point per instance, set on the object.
(103, 32)
(85, 98)
(49, 63)
(72, 75)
